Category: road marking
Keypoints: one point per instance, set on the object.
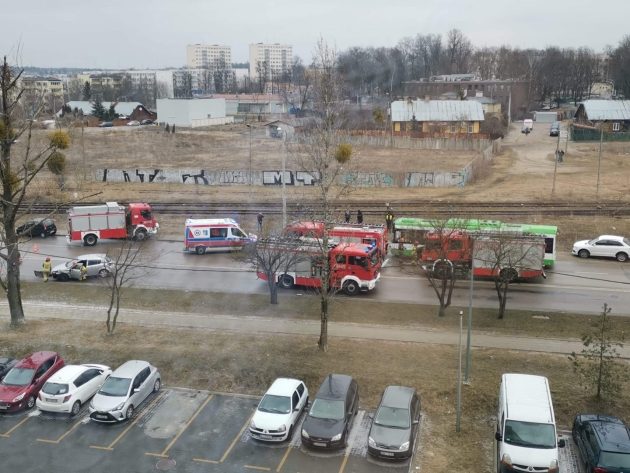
(260, 468)
(110, 447)
(8, 433)
(190, 421)
(76, 424)
(203, 460)
(238, 436)
(284, 458)
(345, 460)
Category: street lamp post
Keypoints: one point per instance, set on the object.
(250, 155)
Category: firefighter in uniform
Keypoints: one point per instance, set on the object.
(46, 268)
(83, 272)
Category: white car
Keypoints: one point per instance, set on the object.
(609, 246)
(127, 387)
(279, 410)
(71, 387)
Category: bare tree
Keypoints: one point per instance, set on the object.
(598, 364)
(322, 153)
(273, 257)
(506, 257)
(17, 172)
(127, 266)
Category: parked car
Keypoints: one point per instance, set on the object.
(37, 227)
(330, 416)
(127, 387)
(608, 246)
(71, 387)
(133, 123)
(106, 124)
(146, 121)
(603, 443)
(554, 129)
(279, 410)
(395, 424)
(19, 388)
(99, 265)
(5, 365)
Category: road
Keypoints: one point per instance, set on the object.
(574, 285)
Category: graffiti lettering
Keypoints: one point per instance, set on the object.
(368, 179)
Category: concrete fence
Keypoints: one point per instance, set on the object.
(406, 142)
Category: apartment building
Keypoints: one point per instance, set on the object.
(208, 56)
(270, 59)
(43, 86)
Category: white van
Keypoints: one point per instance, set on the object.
(526, 426)
(214, 234)
(528, 125)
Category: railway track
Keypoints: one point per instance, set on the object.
(408, 208)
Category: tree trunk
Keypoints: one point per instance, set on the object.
(503, 299)
(115, 319)
(14, 295)
(273, 290)
(323, 334)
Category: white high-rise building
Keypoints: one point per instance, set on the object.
(270, 59)
(208, 56)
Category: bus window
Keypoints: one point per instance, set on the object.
(549, 245)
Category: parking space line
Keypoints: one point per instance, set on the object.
(284, 459)
(182, 430)
(238, 436)
(63, 436)
(8, 433)
(345, 460)
(203, 460)
(110, 447)
(260, 468)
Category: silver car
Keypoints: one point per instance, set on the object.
(127, 387)
(99, 265)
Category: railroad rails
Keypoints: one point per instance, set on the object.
(486, 210)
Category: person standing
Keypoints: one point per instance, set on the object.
(359, 217)
(346, 216)
(46, 268)
(260, 218)
(83, 272)
(389, 220)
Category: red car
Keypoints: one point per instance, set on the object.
(20, 386)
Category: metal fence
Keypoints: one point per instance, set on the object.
(587, 134)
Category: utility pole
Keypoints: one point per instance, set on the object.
(250, 155)
(599, 160)
(284, 170)
(469, 321)
(459, 375)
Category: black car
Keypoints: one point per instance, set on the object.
(5, 365)
(38, 227)
(394, 426)
(603, 442)
(330, 416)
(554, 129)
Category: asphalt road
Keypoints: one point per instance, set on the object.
(574, 285)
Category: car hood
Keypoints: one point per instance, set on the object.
(388, 436)
(323, 428)
(8, 393)
(270, 420)
(60, 268)
(581, 243)
(535, 457)
(106, 403)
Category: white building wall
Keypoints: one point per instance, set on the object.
(279, 57)
(210, 56)
(187, 112)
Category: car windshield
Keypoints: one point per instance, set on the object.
(592, 242)
(275, 404)
(530, 434)
(392, 417)
(19, 377)
(116, 387)
(614, 460)
(327, 409)
(55, 388)
(626, 242)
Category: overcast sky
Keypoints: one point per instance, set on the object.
(154, 33)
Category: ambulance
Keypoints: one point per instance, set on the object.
(214, 234)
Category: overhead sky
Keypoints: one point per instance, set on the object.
(154, 33)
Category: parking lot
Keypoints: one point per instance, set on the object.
(175, 430)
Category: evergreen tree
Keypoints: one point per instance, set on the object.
(87, 91)
(111, 113)
(98, 110)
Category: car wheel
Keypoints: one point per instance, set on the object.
(200, 250)
(90, 240)
(583, 254)
(141, 234)
(285, 281)
(30, 402)
(76, 407)
(53, 233)
(63, 277)
(103, 273)
(42, 235)
(129, 412)
(622, 257)
(157, 385)
(351, 288)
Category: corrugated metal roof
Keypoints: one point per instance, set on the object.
(436, 110)
(123, 108)
(607, 109)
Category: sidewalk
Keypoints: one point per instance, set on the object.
(262, 325)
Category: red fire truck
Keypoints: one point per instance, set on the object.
(110, 220)
(344, 233)
(520, 256)
(354, 267)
